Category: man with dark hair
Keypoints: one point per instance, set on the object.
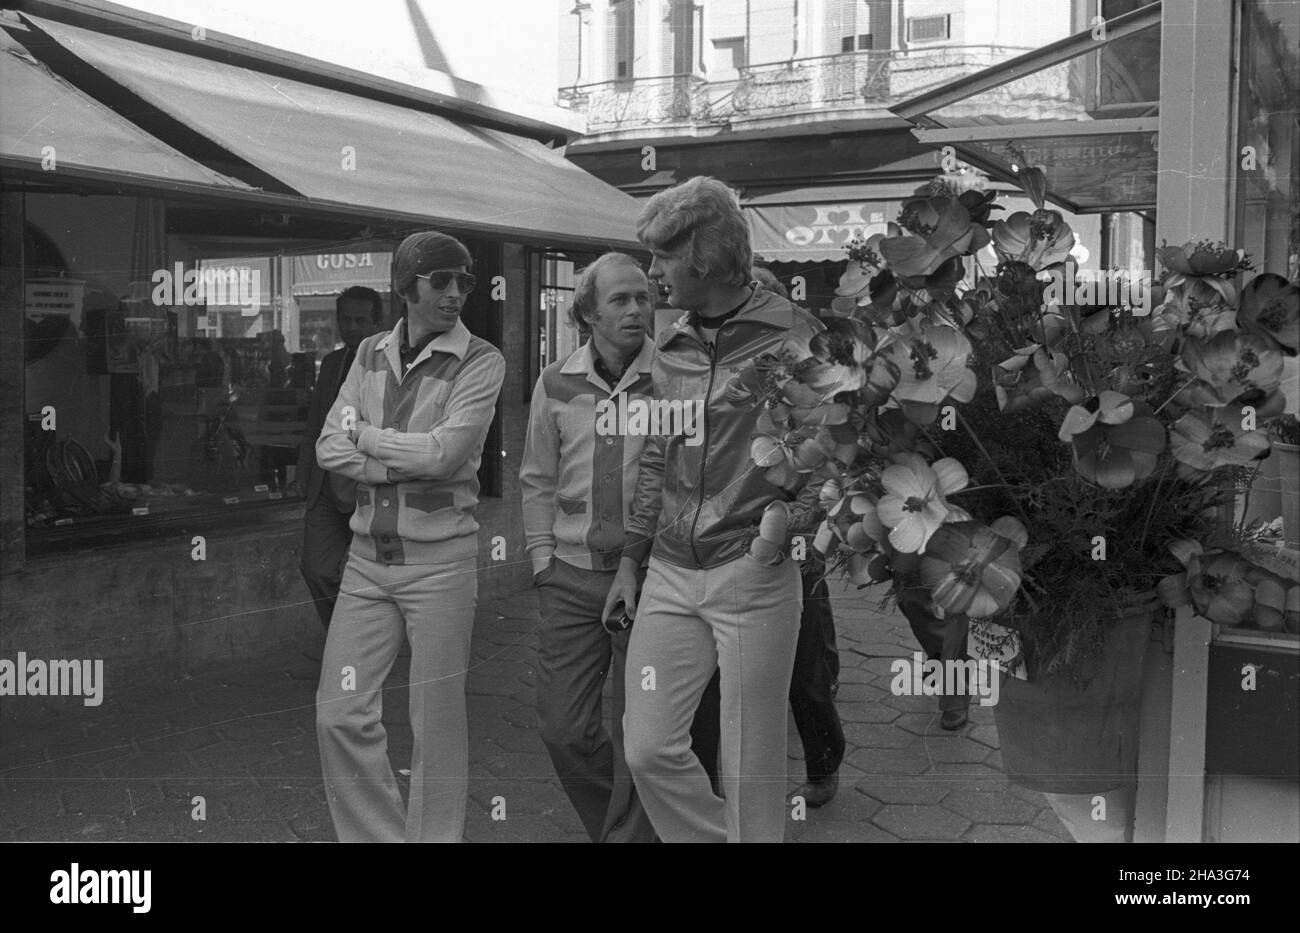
(408, 426)
(331, 497)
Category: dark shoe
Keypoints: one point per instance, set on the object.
(818, 793)
(953, 719)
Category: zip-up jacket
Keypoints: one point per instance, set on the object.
(413, 442)
(577, 479)
(698, 506)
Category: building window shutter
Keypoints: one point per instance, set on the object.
(620, 39)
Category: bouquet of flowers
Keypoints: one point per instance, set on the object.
(1032, 446)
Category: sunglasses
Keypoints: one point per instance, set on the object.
(440, 279)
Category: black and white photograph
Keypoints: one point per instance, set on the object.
(565, 421)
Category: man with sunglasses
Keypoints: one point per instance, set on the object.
(408, 426)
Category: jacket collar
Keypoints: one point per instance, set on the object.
(582, 363)
(764, 309)
(454, 341)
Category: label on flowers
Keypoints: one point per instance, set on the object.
(992, 642)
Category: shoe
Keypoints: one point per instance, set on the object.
(953, 719)
(818, 793)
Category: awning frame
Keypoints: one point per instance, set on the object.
(932, 132)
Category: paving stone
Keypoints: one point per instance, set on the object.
(232, 759)
(269, 802)
(877, 735)
(841, 831)
(867, 712)
(313, 827)
(110, 797)
(1050, 823)
(524, 798)
(1009, 834)
(889, 761)
(187, 740)
(244, 831)
(920, 821)
(519, 766)
(72, 828)
(985, 735)
(915, 790)
(514, 739)
(272, 728)
(951, 747)
(66, 769)
(26, 802)
(989, 807)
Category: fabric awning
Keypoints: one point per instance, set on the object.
(48, 125)
(339, 149)
(814, 224)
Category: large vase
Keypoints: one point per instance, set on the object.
(1059, 739)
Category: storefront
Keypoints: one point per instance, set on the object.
(1136, 124)
(179, 217)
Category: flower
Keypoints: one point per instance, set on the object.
(1214, 582)
(1108, 408)
(1201, 259)
(972, 569)
(1039, 240)
(942, 229)
(1230, 364)
(1270, 305)
(932, 367)
(1019, 385)
(1205, 440)
(1197, 309)
(1116, 441)
(847, 349)
(913, 506)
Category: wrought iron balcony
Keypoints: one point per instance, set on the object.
(854, 81)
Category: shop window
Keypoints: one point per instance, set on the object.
(929, 28)
(169, 368)
(557, 336)
(1267, 153)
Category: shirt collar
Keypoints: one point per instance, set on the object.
(455, 342)
(582, 362)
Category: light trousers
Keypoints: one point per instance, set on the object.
(743, 619)
(432, 606)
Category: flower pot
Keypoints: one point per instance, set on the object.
(1058, 739)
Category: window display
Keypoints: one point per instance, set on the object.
(162, 373)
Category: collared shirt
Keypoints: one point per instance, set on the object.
(413, 443)
(581, 458)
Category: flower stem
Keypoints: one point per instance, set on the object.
(1155, 497)
(993, 463)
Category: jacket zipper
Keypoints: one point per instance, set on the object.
(704, 457)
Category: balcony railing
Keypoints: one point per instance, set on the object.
(867, 80)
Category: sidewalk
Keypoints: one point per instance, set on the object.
(242, 738)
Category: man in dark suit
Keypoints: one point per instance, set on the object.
(331, 498)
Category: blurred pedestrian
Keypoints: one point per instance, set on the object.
(331, 497)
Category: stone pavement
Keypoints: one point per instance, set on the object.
(241, 737)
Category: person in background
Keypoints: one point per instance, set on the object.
(330, 496)
(409, 426)
(816, 659)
